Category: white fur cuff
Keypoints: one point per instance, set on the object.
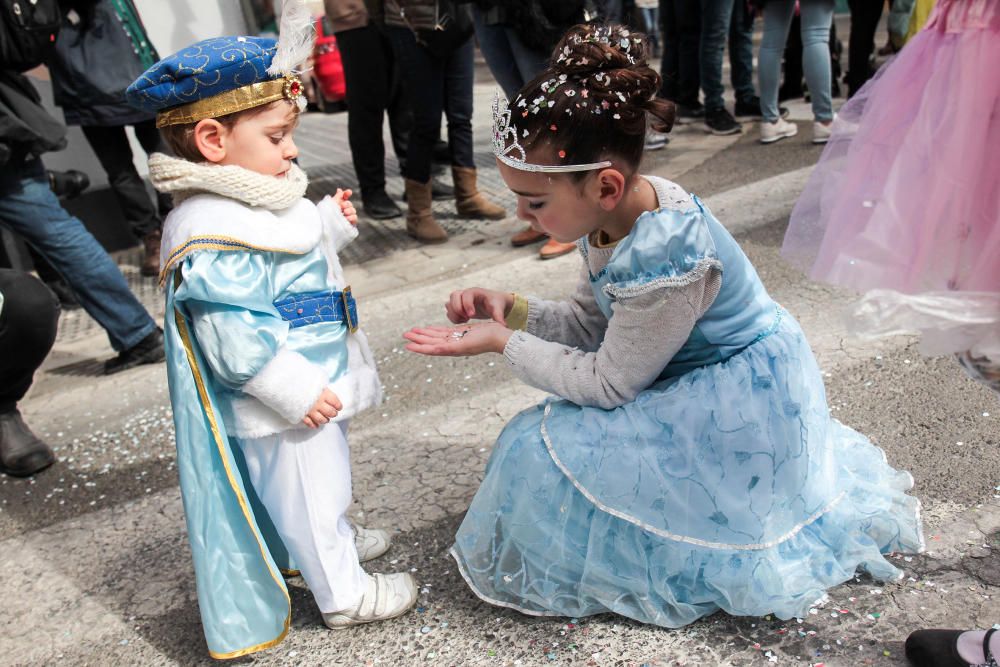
(289, 384)
(340, 231)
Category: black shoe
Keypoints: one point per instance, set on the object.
(749, 109)
(380, 206)
(22, 453)
(68, 184)
(939, 648)
(149, 350)
(67, 299)
(689, 112)
(440, 191)
(720, 122)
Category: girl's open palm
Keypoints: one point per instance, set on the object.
(460, 341)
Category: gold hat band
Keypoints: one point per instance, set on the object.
(239, 99)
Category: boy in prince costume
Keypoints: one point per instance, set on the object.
(265, 361)
(689, 463)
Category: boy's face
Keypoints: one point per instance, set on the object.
(262, 142)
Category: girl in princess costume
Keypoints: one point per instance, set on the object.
(265, 362)
(689, 462)
(904, 206)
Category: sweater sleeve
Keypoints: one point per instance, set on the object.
(577, 322)
(643, 334)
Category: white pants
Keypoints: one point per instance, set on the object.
(303, 478)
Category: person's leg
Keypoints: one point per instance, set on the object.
(816, 18)
(688, 14)
(494, 43)
(29, 317)
(865, 15)
(777, 18)
(28, 207)
(366, 73)
(530, 63)
(151, 140)
(458, 77)
(303, 478)
(111, 146)
(423, 78)
(715, 18)
(399, 109)
(791, 80)
(669, 56)
(741, 52)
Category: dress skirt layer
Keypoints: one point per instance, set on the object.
(727, 488)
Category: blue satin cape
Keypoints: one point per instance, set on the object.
(238, 557)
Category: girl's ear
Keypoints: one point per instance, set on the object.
(210, 137)
(610, 188)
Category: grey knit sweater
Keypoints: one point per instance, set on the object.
(570, 349)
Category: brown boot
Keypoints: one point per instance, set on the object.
(420, 222)
(469, 202)
(151, 257)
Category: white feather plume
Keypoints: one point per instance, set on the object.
(296, 36)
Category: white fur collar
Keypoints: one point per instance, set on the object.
(212, 222)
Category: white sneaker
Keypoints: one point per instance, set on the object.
(781, 128)
(370, 543)
(387, 596)
(655, 140)
(821, 132)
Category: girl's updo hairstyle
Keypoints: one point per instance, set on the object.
(591, 103)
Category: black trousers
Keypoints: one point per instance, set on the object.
(865, 15)
(681, 21)
(28, 320)
(435, 84)
(112, 148)
(374, 88)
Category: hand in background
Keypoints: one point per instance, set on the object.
(327, 407)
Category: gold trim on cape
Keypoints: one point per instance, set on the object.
(216, 435)
(239, 99)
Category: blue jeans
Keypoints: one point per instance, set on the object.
(815, 16)
(720, 18)
(511, 62)
(435, 84)
(30, 209)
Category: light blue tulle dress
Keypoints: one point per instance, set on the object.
(726, 485)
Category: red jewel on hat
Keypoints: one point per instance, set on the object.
(295, 89)
(562, 154)
(553, 128)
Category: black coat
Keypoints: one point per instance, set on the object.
(93, 63)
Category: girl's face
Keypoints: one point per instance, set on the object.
(263, 142)
(554, 203)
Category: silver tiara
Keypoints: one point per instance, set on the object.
(509, 150)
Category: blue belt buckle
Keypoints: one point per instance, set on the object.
(345, 296)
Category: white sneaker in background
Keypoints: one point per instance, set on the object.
(822, 132)
(655, 140)
(781, 128)
(370, 543)
(387, 596)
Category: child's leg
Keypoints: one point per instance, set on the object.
(303, 478)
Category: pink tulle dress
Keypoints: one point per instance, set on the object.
(904, 204)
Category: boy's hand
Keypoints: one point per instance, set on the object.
(478, 303)
(340, 198)
(326, 408)
(461, 341)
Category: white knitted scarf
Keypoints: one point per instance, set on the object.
(184, 179)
